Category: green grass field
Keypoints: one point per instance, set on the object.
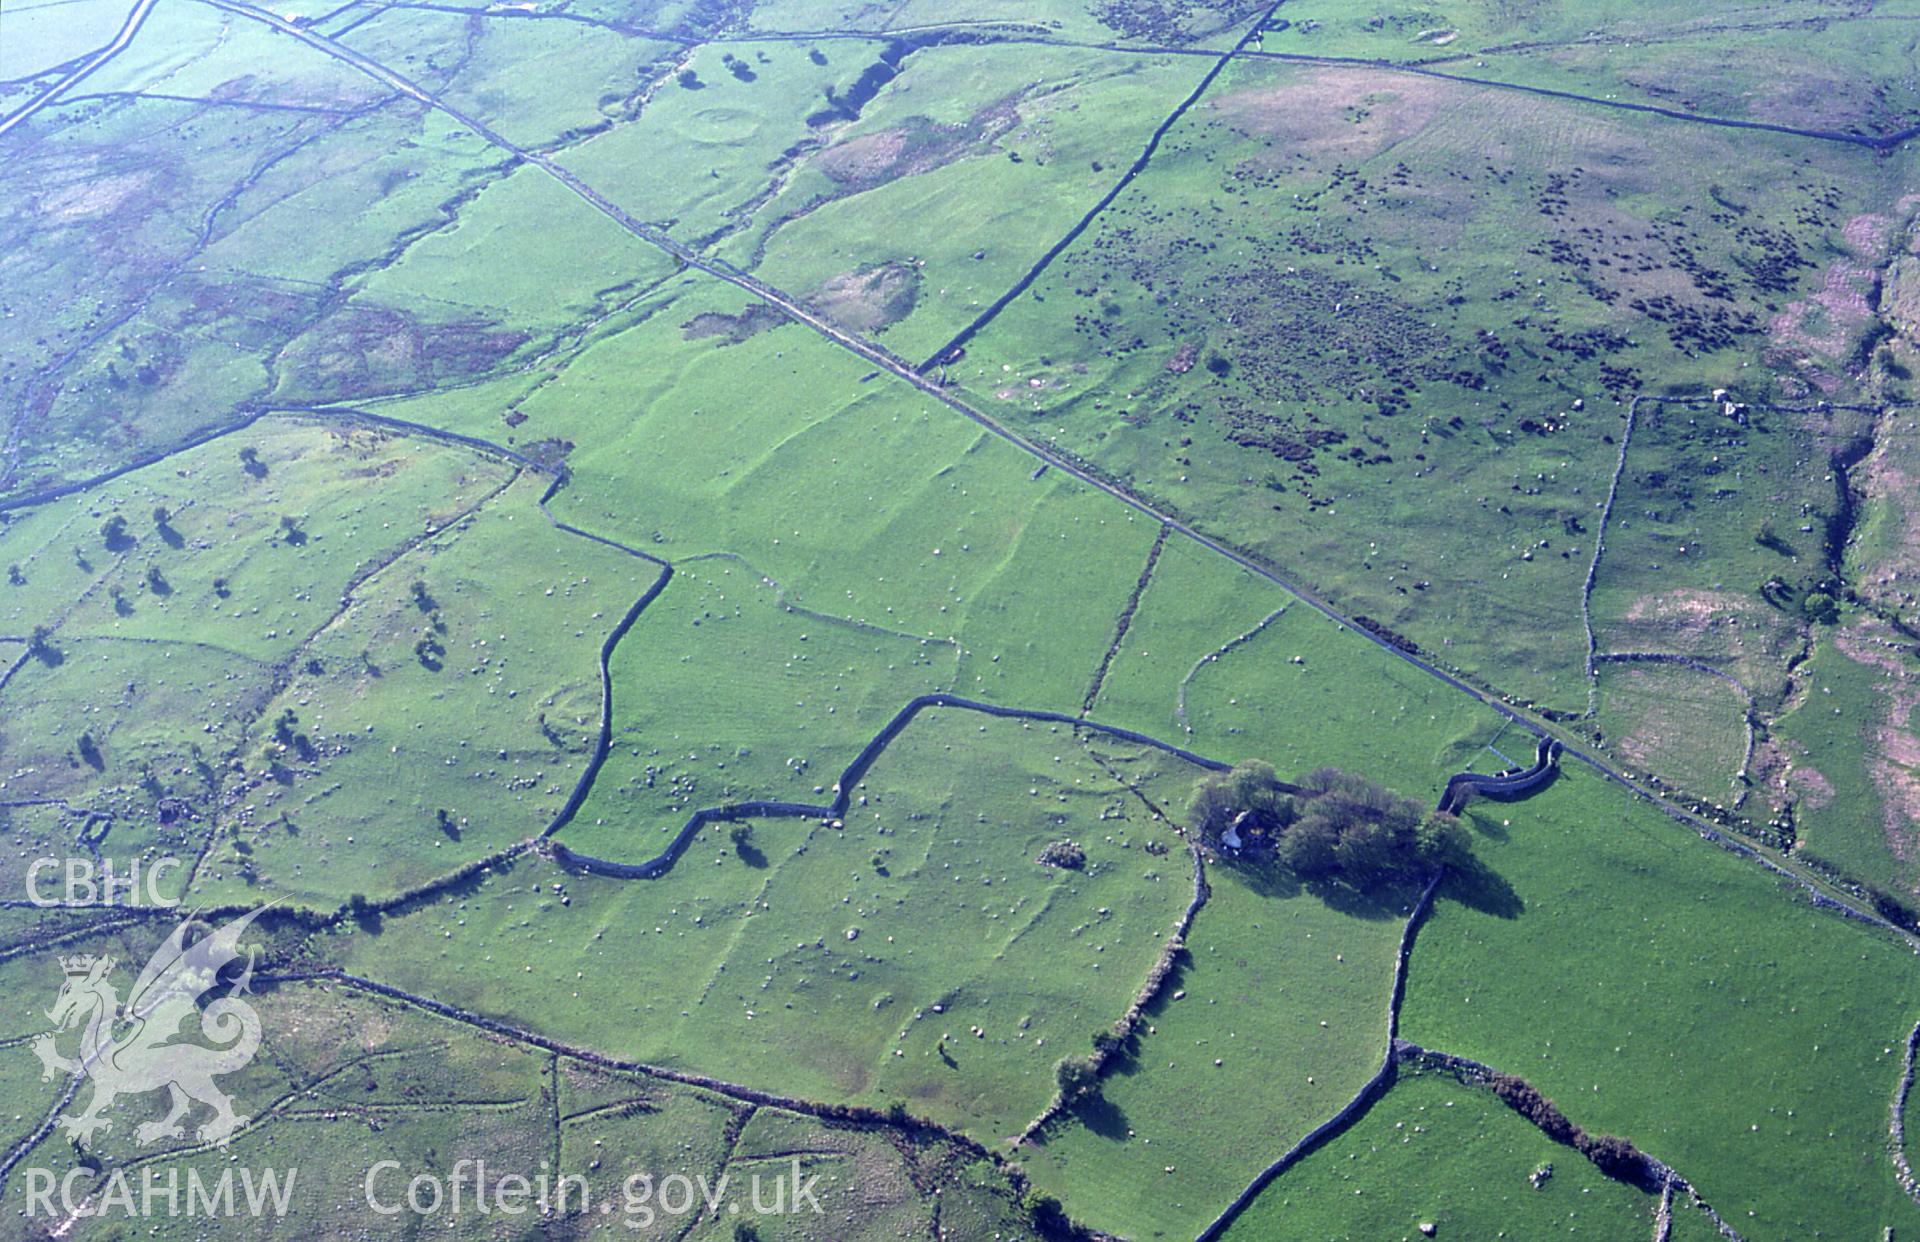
(727, 964)
(449, 446)
(50, 33)
(1181, 24)
(1281, 1017)
(575, 273)
(1721, 530)
(1006, 146)
(723, 695)
(1685, 724)
(507, 64)
(1435, 1153)
(446, 713)
(1659, 989)
(706, 144)
(1836, 758)
(1532, 269)
(174, 601)
(356, 1081)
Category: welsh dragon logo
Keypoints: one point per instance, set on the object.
(136, 1049)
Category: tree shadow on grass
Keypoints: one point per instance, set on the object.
(1472, 884)
(1374, 903)
(1263, 876)
(1101, 1116)
(1486, 825)
(1479, 887)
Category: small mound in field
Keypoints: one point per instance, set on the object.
(750, 322)
(721, 127)
(916, 145)
(869, 157)
(1066, 855)
(871, 297)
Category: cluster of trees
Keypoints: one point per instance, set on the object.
(40, 646)
(1076, 1076)
(1334, 825)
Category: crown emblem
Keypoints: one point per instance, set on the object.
(79, 964)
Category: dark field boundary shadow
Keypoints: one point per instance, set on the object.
(1462, 787)
(1478, 887)
(662, 862)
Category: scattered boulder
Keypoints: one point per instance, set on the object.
(1066, 855)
